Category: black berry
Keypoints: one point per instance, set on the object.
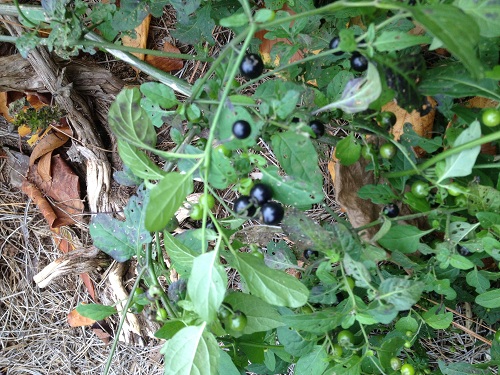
(334, 43)
(462, 250)
(359, 63)
(272, 213)
(243, 206)
(391, 210)
(308, 253)
(241, 129)
(317, 127)
(251, 66)
(261, 193)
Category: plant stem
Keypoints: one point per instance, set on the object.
(8, 39)
(443, 155)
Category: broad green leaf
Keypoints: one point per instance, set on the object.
(129, 121)
(403, 238)
(138, 162)
(231, 114)
(397, 40)
(279, 256)
(198, 27)
(159, 94)
(181, 256)
(156, 114)
(460, 230)
(407, 323)
(95, 311)
(378, 194)
(264, 15)
(461, 368)
(358, 94)
(313, 363)
(483, 198)
(488, 219)
(445, 22)
(348, 150)
(358, 271)
(192, 351)
(206, 286)
(486, 13)
(453, 80)
(438, 318)
(350, 367)
(234, 20)
(460, 262)
(297, 157)
(317, 322)
(294, 343)
(490, 299)
(477, 280)
(226, 365)
(185, 9)
(165, 199)
(461, 164)
(390, 348)
(222, 172)
(122, 239)
(402, 293)
(292, 191)
(273, 286)
(324, 294)
(169, 329)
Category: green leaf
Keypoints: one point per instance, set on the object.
(261, 316)
(234, 20)
(138, 162)
(206, 286)
(292, 191)
(226, 365)
(221, 172)
(348, 150)
(228, 117)
(477, 280)
(156, 114)
(397, 40)
(313, 363)
(488, 219)
(192, 351)
(460, 262)
(165, 199)
(358, 271)
(264, 15)
(483, 198)
(294, 343)
(486, 13)
(461, 368)
(181, 256)
(198, 28)
(317, 322)
(445, 22)
(297, 157)
(358, 94)
(403, 238)
(437, 318)
(128, 120)
(379, 194)
(184, 9)
(461, 164)
(273, 286)
(122, 239)
(279, 256)
(95, 311)
(401, 293)
(407, 323)
(490, 300)
(169, 329)
(159, 94)
(453, 80)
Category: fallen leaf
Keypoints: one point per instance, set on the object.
(167, 64)
(141, 37)
(4, 107)
(43, 167)
(77, 320)
(43, 204)
(54, 138)
(103, 331)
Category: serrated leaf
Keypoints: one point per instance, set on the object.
(486, 13)
(128, 120)
(348, 150)
(313, 363)
(292, 191)
(198, 27)
(378, 194)
(297, 157)
(95, 311)
(445, 22)
(397, 40)
(138, 162)
(461, 164)
(181, 256)
(490, 299)
(438, 318)
(165, 199)
(273, 286)
(403, 238)
(192, 351)
(401, 293)
(206, 286)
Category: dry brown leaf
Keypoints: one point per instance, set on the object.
(77, 320)
(43, 204)
(479, 102)
(141, 37)
(54, 138)
(4, 107)
(24, 130)
(43, 167)
(167, 64)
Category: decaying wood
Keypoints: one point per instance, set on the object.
(79, 115)
(82, 260)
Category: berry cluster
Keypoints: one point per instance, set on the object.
(359, 63)
(272, 212)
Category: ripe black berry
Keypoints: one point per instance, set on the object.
(462, 250)
(243, 206)
(272, 213)
(308, 253)
(391, 210)
(241, 129)
(359, 63)
(251, 66)
(261, 193)
(334, 43)
(317, 127)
